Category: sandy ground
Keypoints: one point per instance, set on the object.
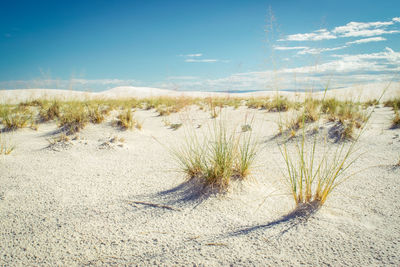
(74, 204)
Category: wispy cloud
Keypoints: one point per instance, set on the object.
(367, 40)
(322, 34)
(351, 29)
(341, 71)
(364, 29)
(193, 55)
(290, 47)
(197, 58)
(319, 50)
(201, 60)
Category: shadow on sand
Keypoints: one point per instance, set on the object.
(299, 215)
(190, 193)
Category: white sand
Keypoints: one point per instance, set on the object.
(72, 205)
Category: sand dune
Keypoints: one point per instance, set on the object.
(359, 92)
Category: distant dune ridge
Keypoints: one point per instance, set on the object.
(356, 92)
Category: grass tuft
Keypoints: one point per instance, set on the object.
(125, 120)
(73, 118)
(5, 147)
(220, 156)
(50, 111)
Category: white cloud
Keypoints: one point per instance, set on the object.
(341, 71)
(319, 50)
(367, 40)
(366, 29)
(290, 47)
(193, 55)
(201, 60)
(322, 34)
(351, 29)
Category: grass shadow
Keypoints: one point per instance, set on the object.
(299, 215)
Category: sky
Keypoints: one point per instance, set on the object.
(198, 45)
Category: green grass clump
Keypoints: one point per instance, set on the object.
(310, 113)
(73, 118)
(221, 156)
(279, 104)
(49, 111)
(392, 102)
(313, 172)
(125, 120)
(347, 114)
(370, 103)
(311, 179)
(14, 118)
(258, 103)
(96, 113)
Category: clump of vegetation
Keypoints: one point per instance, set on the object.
(396, 118)
(125, 120)
(221, 156)
(96, 113)
(279, 104)
(73, 118)
(371, 103)
(175, 126)
(258, 103)
(213, 105)
(347, 115)
(246, 127)
(392, 102)
(14, 118)
(309, 114)
(5, 147)
(312, 179)
(49, 111)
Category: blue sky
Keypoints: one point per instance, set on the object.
(198, 45)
